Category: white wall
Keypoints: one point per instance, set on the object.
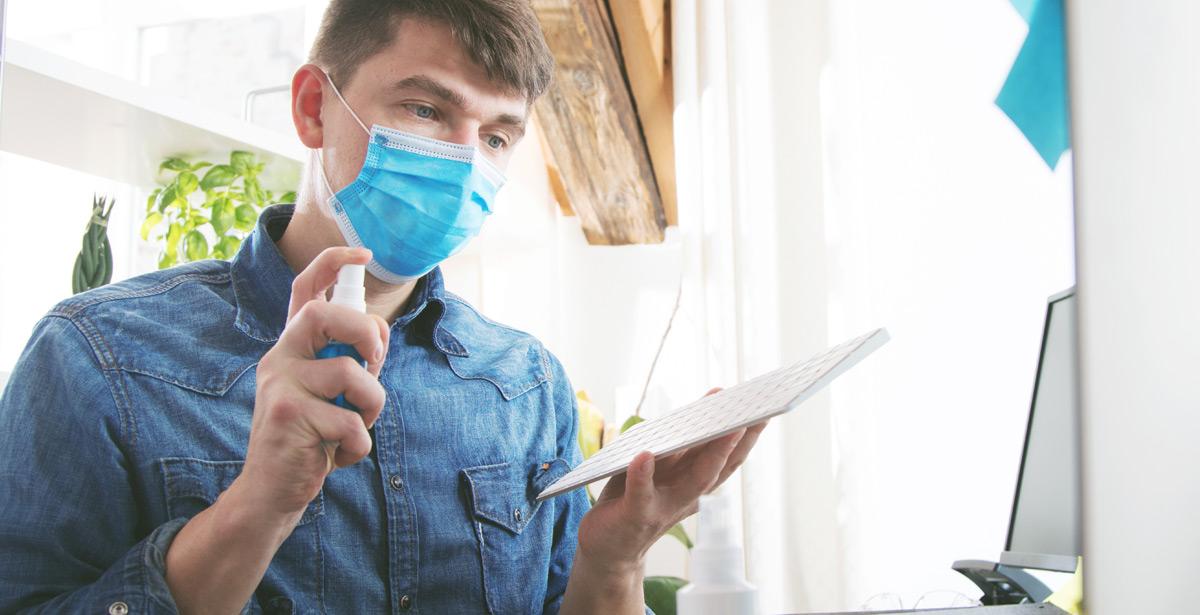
(1135, 93)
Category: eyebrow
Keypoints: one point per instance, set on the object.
(435, 88)
(431, 86)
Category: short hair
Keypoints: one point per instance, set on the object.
(501, 36)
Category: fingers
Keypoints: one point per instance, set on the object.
(639, 481)
(707, 462)
(375, 363)
(739, 454)
(321, 274)
(319, 322)
(328, 378)
(343, 427)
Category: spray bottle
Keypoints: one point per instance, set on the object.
(348, 292)
(719, 585)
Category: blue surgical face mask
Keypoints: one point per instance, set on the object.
(416, 201)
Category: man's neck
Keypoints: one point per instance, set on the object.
(310, 232)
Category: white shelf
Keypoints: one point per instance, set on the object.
(77, 117)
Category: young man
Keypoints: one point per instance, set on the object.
(166, 443)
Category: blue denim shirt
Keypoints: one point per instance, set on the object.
(129, 412)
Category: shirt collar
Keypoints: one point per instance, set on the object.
(262, 287)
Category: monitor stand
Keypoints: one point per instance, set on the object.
(1002, 584)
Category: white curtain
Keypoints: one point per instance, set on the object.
(842, 167)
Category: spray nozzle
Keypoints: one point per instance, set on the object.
(349, 290)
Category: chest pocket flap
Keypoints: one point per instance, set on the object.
(505, 494)
(192, 485)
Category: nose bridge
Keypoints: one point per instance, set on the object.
(465, 132)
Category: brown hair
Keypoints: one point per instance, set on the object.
(502, 36)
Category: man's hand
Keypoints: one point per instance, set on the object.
(286, 462)
(636, 508)
(221, 554)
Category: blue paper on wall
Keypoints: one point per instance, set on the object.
(1025, 8)
(1035, 94)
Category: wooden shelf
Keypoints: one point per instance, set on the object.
(73, 116)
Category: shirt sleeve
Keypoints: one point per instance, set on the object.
(69, 519)
(569, 507)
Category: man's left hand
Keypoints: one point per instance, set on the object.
(636, 508)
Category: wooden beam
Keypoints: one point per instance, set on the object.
(644, 31)
(591, 126)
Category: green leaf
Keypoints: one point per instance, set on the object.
(186, 183)
(680, 534)
(242, 162)
(174, 234)
(227, 247)
(254, 192)
(166, 260)
(217, 176)
(223, 217)
(166, 197)
(152, 221)
(287, 197)
(174, 164)
(246, 217)
(152, 199)
(200, 165)
(630, 422)
(197, 246)
(660, 593)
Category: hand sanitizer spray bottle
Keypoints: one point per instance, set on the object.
(719, 585)
(349, 292)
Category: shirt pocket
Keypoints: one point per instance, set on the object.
(295, 576)
(515, 532)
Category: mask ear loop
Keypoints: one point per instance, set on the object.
(345, 104)
(321, 151)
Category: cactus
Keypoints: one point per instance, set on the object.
(93, 266)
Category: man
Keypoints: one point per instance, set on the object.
(167, 442)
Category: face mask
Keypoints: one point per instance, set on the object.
(416, 201)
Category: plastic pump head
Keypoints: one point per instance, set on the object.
(349, 290)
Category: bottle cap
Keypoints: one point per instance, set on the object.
(349, 290)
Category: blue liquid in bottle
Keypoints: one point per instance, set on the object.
(338, 349)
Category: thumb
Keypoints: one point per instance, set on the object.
(639, 486)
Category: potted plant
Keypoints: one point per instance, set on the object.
(93, 265)
(206, 216)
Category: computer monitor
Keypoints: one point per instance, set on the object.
(1044, 530)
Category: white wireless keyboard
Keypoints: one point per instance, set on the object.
(711, 417)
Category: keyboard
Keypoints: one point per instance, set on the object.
(716, 415)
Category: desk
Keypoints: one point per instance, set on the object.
(1039, 608)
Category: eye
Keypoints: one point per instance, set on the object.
(496, 142)
(424, 112)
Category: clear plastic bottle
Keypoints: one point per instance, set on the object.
(349, 292)
(718, 584)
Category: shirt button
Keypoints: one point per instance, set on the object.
(517, 515)
(118, 608)
(396, 482)
(405, 602)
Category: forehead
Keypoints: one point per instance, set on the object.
(429, 48)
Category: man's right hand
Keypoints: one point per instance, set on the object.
(221, 554)
(286, 460)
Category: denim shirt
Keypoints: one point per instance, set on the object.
(129, 412)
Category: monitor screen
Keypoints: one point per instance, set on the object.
(1044, 531)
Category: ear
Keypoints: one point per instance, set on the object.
(307, 97)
